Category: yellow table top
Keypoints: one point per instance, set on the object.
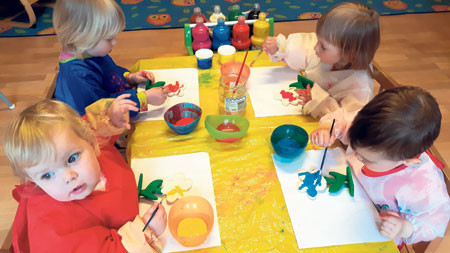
(250, 205)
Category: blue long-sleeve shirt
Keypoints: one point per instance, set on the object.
(82, 82)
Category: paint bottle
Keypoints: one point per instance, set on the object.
(254, 13)
(235, 13)
(241, 34)
(261, 30)
(197, 13)
(216, 15)
(200, 35)
(221, 35)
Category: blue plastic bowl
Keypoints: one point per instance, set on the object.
(182, 118)
(289, 141)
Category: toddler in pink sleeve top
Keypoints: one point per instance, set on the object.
(388, 143)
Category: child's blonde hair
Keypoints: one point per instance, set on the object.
(28, 138)
(354, 28)
(81, 24)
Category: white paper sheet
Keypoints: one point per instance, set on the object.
(195, 166)
(263, 83)
(186, 76)
(331, 218)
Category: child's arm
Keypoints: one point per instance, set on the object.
(393, 226)
(134, 240)
(297, 51)
(139, 77)
(53, 234)
(428, 224)
(423, 201)
(157, 95)
(350, 94)
(109, 117)
(343, 120)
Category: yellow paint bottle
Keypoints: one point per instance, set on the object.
(261, 30)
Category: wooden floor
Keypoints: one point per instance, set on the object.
(415, 50)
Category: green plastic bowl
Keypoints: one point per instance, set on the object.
(226, 128)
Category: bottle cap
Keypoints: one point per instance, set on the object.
(236, 7)
(256, 7)
(241, 19)
(199, 20)
(262, 16)
(197, 10)
(217, 9)
(221, 20)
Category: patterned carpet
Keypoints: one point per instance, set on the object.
(153, 14)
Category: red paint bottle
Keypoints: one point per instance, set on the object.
(200, 35)
(241, 34)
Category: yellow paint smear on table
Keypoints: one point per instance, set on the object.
(191, 227)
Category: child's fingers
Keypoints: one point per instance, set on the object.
(125, 102)
(388, 222)
(150, 76)
(123, 96)
(308, 88)
(386, 233)
(126, 108)
(165, 90)
(127, 126)
(391, 213)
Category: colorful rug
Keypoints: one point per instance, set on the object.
(153, 14)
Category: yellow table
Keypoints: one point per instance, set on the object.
(250, 205)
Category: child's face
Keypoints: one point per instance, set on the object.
(73, 173)
(375, 161)
(103, 47)
(327, 52)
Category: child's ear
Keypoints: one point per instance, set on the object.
(412, 161)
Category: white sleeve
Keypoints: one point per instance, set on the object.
(425, 203)
(297, 51)
(321, 103)
(351, 94)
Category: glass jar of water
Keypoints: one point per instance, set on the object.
(232, 95)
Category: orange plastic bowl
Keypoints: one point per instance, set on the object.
(233, 68)
(191, 207)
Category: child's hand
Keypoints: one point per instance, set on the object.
(304, 95)
(140, 77)
(270, 45)
(118, 111)
(157, 95)
(321, 136)
(392, 225)
(159, 222)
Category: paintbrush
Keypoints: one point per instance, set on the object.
(325, 152)
(154, 212)
(260, 52)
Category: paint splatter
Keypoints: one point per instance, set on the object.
(205, 79)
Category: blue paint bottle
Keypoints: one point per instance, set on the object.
(221, 35)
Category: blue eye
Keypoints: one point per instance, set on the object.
(73, 158)
(47, 175)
